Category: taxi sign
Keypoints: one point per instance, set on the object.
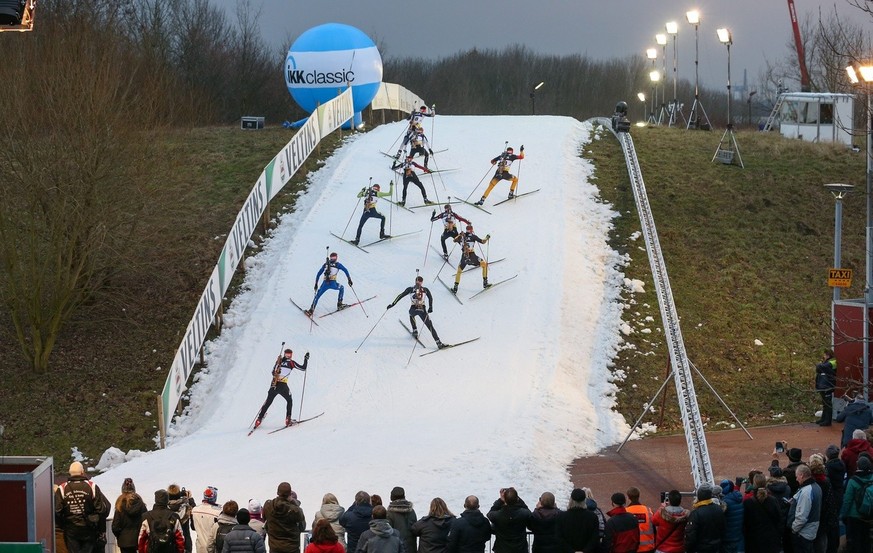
(840, 278)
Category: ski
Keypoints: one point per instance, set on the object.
(447, 346)
(433, 204)
(345, 306)
(517, 196)
(440, 253)
(476, 206)
(493, 285)
(398, 205)
(295, 423)
(304, 312)
(349, 242)
(410, 333)
(468, 269)
(392, 237)
(449, 288)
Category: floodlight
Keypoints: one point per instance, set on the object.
(537, 87)
(838, 189)
(655, 76)
(672, 28)
(661, 39)
(724, 36)
(651, 53)
(641, 96)
(693, 17)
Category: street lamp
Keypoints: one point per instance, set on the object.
(727, 146)
(533, 97)
(661, 39)
(642, 97)
(673, 29)
(693, 17)
(652, 54)
(857, 74)
(839, 192)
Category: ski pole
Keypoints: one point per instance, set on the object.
(478, 185)
(303, 391)
(275, 366)
(359, 301)
(518, 176)
(353, 212)
(409, 359)
(446, 261)
(371, 331)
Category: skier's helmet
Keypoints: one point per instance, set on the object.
(376, 187)
(419, 279)
(469, 228)
(509, 150)
(447, 207)
(423, 108)
(333, 256)
(288, 350)
(409, 157)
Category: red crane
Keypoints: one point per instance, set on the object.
(801, 57)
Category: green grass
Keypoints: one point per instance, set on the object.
(746, 249)
(747, 253)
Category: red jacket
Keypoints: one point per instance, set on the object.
(850, 454)
(621, 533)
(670, 529)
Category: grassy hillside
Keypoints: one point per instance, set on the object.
(747, 253)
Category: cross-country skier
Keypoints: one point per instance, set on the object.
(468, 241)
(279, 387)
(329, 270)
(370, 195)
(450, 229)
(408, 167)
(503, 161)
(419, 145)
(419, 291)
(415, 118)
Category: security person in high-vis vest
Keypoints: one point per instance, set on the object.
(644, 518)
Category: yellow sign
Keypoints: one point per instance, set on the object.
(840, 278)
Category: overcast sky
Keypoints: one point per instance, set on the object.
(601, 29)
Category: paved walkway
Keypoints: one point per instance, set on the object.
(661, 464)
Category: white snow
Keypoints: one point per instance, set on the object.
(514, 408)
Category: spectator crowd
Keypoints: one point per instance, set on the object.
(806, 506)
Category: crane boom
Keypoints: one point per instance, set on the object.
(798, 44)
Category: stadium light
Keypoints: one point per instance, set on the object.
(728, 149)
(693, 17)
(533, 97)
(673, 29)
(862, 74)
(661, 39)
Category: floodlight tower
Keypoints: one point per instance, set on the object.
(661, 39)
(693, 17)
(655, 76)
(673, 29)
(727, 146)
(652, 54)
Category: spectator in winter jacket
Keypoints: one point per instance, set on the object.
(509, 516)
(432, 530)
(836, 473)
(622, 531)
(284, 520)
(830, 503)
(256, 517)
(644, 518)
(825, 382)
(181, 504)
(402, 516)
(762, 519)
(857, 530)
(591, 505)
(127, 520)
(80, 507)
(324, 539)
(380, 537)
(203, 518)
(853, 449)
(470, 531)
(542, 523)
(669, 522)
(795, 459)
(732, 500)
(160, 521)
(577, 528)
(242, 538)
(857, 416)
(356, 519)
(331, 511)
(224, 523)
(705, 529)
(804, 515)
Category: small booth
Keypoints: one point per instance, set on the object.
(816, 116)
(27, 507)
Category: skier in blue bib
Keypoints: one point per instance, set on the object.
(329, 270)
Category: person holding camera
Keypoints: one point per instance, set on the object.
(509, 517)
(825, 382)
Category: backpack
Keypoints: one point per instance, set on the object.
(864, 499)
(162, 534)
(223, 529)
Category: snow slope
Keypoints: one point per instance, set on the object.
(513, 408)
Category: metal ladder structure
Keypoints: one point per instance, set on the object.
(776, 107)
(695, 437)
